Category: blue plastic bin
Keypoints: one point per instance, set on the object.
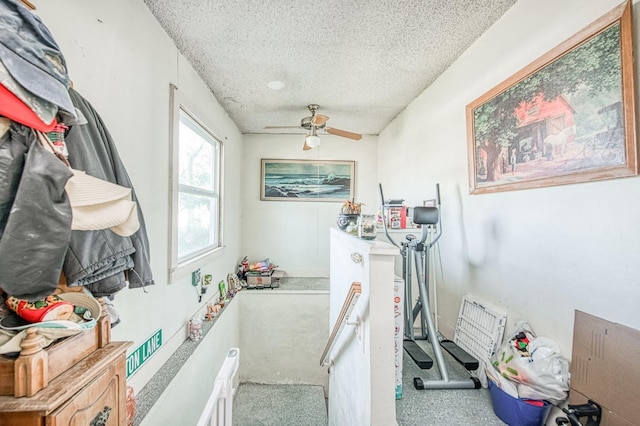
(516, 411)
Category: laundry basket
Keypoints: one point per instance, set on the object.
(517, 411)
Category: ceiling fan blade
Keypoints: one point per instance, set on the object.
(344, 133)
(282, 127)
(306, 147)
(319, 120)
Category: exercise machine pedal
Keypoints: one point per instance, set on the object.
(419, 356)
(469, 362)
(471, 383)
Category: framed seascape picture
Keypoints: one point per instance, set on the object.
(568, 117)
(307, 180)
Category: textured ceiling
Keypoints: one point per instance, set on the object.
(362, 61)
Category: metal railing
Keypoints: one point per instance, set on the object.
(343, 318)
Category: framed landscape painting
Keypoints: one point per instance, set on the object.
(568, 117)
(307, 180)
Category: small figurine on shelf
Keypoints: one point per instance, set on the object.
(212, 311)
(243, 268)
(233, 283)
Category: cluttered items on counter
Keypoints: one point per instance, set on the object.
(259, 275)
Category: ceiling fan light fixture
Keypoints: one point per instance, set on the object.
(312, 140)
(314, 123)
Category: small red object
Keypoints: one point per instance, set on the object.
(50, 308)
(14, 109)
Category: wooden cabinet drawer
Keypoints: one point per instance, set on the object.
(98, 404)
(91, 393)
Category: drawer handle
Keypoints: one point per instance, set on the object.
(356, 257)
(101, 418)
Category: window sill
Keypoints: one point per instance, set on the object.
(188, 267)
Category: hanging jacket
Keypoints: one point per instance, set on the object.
(35, 215)
(99, 259)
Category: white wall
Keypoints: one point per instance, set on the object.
(534, 254)
(121, 60)
(282, 336)
(293, 234)
(183, 400)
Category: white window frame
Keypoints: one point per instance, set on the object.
(180, 269)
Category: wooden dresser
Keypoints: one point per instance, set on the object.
(90, 393)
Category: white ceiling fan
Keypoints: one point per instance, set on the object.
(315, 123)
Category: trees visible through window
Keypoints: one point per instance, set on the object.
(198, 189)
(195, 211)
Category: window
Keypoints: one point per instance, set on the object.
(195, 190)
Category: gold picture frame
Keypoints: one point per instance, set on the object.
(568, 117)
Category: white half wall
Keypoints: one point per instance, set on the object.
(536, 254)
(283, 334)
(362, 388)
(184, 399)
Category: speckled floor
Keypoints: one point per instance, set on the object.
(259, 404)
(294, 405)
(469, 407)
(279, 405)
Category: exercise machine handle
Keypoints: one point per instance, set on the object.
(384, 219)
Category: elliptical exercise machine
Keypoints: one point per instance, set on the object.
(417, 251)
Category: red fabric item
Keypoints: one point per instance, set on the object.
(50, 308)
(14, 109)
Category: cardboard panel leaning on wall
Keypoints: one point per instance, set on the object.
(603, 368)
